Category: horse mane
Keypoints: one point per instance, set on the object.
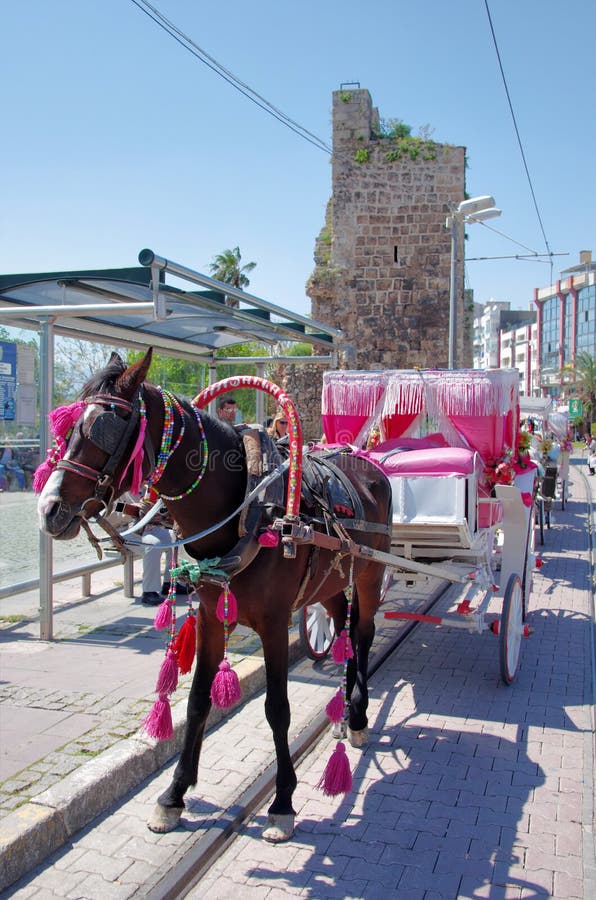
(104, 382)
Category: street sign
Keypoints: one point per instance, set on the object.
(8, 380)
(575, 408)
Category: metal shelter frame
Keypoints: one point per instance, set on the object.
(136, 308)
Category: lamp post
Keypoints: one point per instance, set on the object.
(477, 209)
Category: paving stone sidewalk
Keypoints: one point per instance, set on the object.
(468, 788)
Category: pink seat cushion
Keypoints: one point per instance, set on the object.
(445, 461)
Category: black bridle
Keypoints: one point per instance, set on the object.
(111, 434)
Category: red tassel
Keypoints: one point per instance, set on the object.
(158, 723)
(163, 616)
(167, 680)
(185, 645)
(268, 538)
(232, 606)
(342, 648)
(335, 707)
(337, 777)
(225, 690)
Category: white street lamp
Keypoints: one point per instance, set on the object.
(477, 209)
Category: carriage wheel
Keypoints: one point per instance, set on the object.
(386, 583)
(530, 563)
(511, 629)
(540, 518)
(317, 631)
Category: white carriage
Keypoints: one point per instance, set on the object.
(462, 496)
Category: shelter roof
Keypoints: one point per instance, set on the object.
(135, 307)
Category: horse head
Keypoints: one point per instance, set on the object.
(101, 444)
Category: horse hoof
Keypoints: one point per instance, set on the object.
(358, 738)
(164, 818)
(279, 828)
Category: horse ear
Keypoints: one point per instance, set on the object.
(134, 375)
(115, 357)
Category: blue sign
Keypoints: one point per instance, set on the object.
(8, 381)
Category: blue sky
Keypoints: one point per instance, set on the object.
(116, 138)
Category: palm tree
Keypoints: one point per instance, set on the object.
(582, 377)
(226, 267)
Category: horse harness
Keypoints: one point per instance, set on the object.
(111, 434)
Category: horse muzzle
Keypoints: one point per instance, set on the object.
(57, 518)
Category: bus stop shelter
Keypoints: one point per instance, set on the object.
(159, 303)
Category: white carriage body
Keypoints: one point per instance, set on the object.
(441, 433)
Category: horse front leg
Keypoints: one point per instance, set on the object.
(362, 634)
(170, 805)
(282, 816)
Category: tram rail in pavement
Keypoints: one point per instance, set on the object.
(71, 710)
(211, 795)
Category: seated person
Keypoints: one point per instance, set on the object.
(10, 469)
(159, 531)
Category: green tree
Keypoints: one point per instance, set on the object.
(227, 267)
(581, 377)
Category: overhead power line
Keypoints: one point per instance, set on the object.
(519, 141)
(192, 47)
(528, 257)
(185, 41)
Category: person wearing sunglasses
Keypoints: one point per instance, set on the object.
(279, 427)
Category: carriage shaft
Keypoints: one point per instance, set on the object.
(293, 533)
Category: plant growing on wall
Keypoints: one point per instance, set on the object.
(405, 144)
(362, 155)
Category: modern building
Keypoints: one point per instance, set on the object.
(566, 322)
(518, 349)
(487, 322)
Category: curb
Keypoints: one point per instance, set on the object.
(47, 822)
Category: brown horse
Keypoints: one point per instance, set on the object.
(205, 479)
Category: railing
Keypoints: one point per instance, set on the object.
(84, 572)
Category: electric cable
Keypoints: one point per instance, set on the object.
(519, 140)
(185, 41)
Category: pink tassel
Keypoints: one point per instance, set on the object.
(268, 538)
(163, 616)
(136, 458)
(337, 777)
(335, 707)
(232, 606)
(43, 472)
(167, 680)
(342, 648)
(225, 690)
(158, 723)
(63, 418)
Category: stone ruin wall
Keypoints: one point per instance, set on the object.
(383, 256)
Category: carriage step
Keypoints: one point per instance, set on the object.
(494, 627)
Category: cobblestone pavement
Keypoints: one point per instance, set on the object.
(19, 547)
(468, 789)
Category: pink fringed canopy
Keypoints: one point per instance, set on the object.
(473, 408)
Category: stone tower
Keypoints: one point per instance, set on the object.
(383, 257)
